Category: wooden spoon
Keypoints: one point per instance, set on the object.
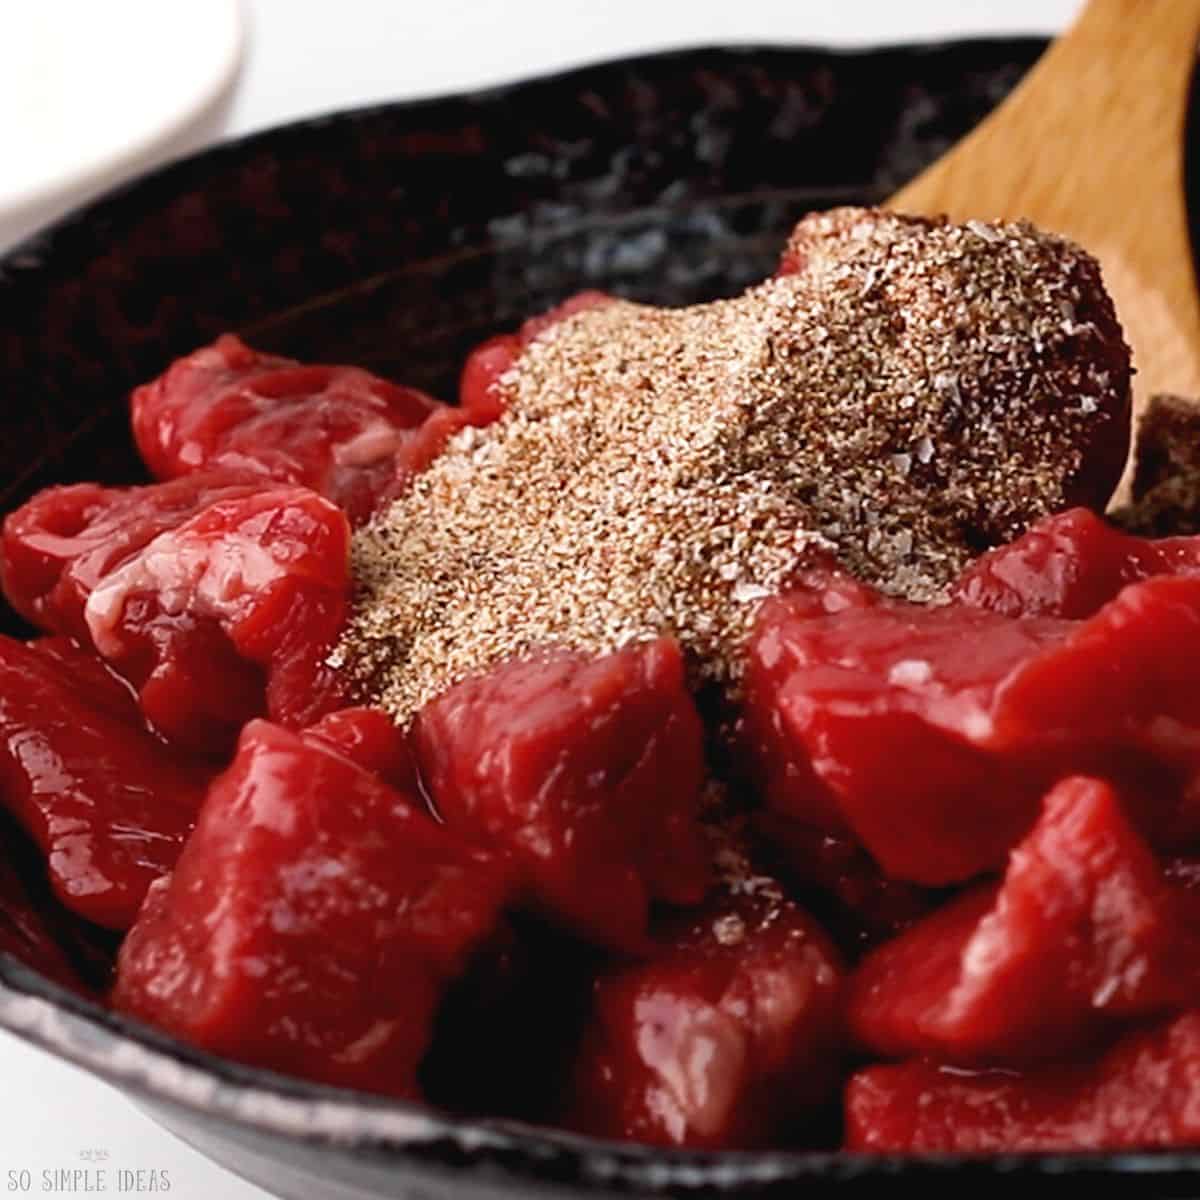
(1091, 145)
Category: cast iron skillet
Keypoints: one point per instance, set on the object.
(397, 237)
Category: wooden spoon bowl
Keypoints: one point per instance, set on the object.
(1091, 145)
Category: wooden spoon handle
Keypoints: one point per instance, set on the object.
(1091, 145)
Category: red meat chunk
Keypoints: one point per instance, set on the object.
(1085, 932)
(589, 771)
(1070, 565)
(1144, 1093)
(335, 430)
(370, 738)
(105, 801)
(478, 388)
(214, 596)
(986, 711)
(727, 1038)
(313, 920)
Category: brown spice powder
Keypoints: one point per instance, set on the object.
(910, 396)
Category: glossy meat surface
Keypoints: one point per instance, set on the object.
(1084, 933)
(1143, 1093)
(990, 710)
(108, 805)
(313, 921)
(336, 430)
(588, 771)
(217, 597)
(727, 1037)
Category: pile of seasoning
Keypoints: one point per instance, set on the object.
(911, 393)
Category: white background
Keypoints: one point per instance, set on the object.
(307, 56)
